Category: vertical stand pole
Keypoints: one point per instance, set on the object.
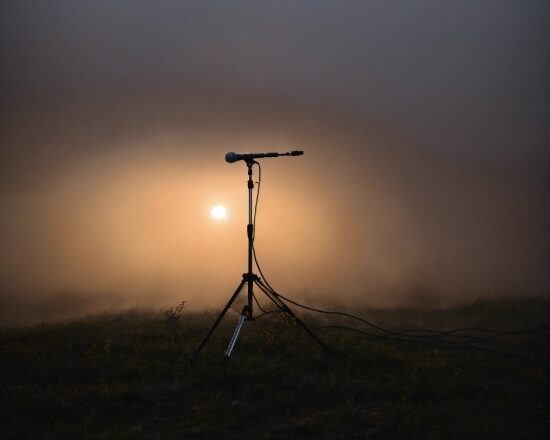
(250, 233)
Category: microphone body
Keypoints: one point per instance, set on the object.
(232, 157)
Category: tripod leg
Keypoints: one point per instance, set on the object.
(199, 348)
(288, 311)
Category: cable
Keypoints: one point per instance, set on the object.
(432, 336)
(405, 335)
(433, 333)
(472, 347)
(258, 304)
(257, 198)
(272, 332)
(269, 312)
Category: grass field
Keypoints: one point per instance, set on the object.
(125, 375)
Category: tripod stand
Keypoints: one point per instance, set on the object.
(250, 279)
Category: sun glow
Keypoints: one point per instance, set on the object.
(219, 212)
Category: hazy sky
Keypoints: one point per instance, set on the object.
(424, 126)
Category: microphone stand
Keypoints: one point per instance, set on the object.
(251, 279)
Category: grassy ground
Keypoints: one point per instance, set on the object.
(125, 376)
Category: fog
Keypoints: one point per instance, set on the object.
(424, 179)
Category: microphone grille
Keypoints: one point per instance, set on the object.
(231, 157)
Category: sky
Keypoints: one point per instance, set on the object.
(424, 179)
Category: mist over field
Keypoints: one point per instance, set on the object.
(424, 179)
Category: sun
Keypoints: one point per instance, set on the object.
(219, 212)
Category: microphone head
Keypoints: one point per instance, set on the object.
(231, 157)
(296, 153)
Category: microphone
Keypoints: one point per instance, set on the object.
(232, 157)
